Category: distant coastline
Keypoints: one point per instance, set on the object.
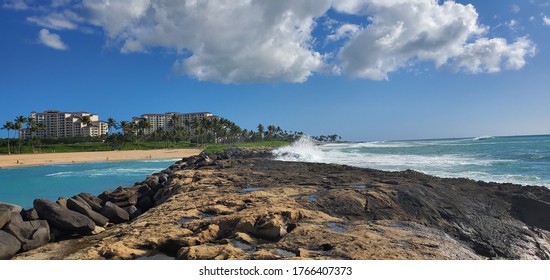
(25, 160)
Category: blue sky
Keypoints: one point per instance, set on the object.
(363, 69)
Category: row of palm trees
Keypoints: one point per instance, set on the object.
(18, 124)
(199, 131)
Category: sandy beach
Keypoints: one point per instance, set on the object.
(57, 158)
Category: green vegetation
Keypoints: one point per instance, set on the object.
(213, 133)
(213, 148)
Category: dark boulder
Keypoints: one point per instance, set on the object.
(114, 213)
(63, 218)
(5, 215)
(145, 203)
(30, 215)
(133, 211)
(122, 197)
(31, 234)
(92, 200)
(9, 245)
(85, 209)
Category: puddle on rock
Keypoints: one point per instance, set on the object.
(360, 187)
(284, 253)
(156, 256)
(185, 220)
(249, 190)
(336, 227)
(312, 198)
(243, 246)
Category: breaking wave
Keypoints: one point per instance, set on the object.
(434, 157)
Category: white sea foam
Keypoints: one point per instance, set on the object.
(483, 138)
(307, 150)
(441, 164)
(60, 174)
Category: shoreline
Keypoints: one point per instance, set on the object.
(296, 214)
(27, 160)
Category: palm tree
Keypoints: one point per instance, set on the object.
(33, 126)
(85, 121)
(18, 125)
(261, 131)
(9, 126)
(111, 123)
(142, 125)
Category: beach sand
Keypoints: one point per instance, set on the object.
(57, 158)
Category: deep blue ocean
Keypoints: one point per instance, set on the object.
(22, 185)
(515, 159)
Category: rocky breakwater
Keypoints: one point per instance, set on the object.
(242, 205)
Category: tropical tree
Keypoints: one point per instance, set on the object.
(85, 121)
(18, 125)
(34, 126)
(142, 125)
(261, 131)
(9, 126)
(111, 123)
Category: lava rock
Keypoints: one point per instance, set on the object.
(11, 207)
(31, 234)
(5, 215)
(30, 215)
(92, 200)
(114, 213)
(85, 209)
(63, 218)
(9, 245)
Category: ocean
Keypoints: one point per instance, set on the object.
(519, 159)
(22, 185)
(514, 159)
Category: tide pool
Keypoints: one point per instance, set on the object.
(24, 184)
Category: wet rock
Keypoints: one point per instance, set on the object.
(83, 208)
(114, 213)
(9, 245)
(63, 218)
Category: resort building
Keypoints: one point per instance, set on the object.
(168, 121)
(53, 123)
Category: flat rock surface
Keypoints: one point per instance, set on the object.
(264, 209)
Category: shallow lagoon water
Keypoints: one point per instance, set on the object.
(24, 184)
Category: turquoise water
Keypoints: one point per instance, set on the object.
(515, 159)
(22, 185)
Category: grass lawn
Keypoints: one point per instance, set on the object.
(213, 148)
(151, 145)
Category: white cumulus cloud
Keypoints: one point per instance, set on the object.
(546, 20)
(51, 40)
(403, 33)
(259, 41)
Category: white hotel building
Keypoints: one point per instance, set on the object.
(66, 124)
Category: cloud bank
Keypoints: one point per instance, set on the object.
(255, 41)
